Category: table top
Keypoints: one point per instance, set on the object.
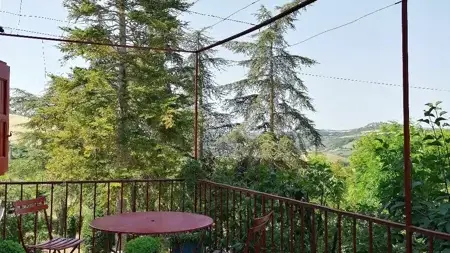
(152, 223)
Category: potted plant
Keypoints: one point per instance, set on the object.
(189, 242)
(7, 246)
(145, 244)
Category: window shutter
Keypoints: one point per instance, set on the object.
(4, 117)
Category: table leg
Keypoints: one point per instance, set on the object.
(200, 243)
(119, 243)
(93, 240)
(180, 246)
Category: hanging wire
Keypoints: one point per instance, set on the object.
(372, 82)
(44, 60)
(222, 18)
(346, 24)
(232, 14)
(1, 7)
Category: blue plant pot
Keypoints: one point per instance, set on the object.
(188, 247)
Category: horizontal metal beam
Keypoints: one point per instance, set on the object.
(259, 26)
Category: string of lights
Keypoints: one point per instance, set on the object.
(34, 32)
(372, 82)
(20, 13)
(31, 16)
(44, 60)
(232, 14)
(64, 21)
(346, 79)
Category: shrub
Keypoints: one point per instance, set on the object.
(10, 247)
(143, 245)
(185, 238)
(72, 227)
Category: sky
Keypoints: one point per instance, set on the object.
(368, 50)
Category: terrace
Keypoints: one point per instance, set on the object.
(296, 225)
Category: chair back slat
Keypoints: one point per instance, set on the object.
(32, 209)
(258, 227)
(30, 206)
(262, 220)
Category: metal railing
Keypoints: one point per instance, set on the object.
(305, 227)
(295, 227)
(72, 205)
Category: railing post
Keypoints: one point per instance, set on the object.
(195, 196)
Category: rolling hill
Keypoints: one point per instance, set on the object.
(338, 144)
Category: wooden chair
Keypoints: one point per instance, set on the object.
(2, 211)
(34, 206)
(256, 233)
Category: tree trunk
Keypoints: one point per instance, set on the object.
(122, 89)
(272, 93)
(200, 103)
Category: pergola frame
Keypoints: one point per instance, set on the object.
(405, 87)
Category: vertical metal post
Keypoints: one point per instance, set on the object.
(406, 132)
(196, 107)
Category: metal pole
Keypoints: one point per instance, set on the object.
(196, 107)
(406, 132)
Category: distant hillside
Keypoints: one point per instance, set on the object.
(339, 143)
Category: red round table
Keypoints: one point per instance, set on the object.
(152, 223)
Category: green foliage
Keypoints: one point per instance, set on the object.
(265, 149)
(324, 181)
(128, 114)
(377, 185)
(10, 247)
(102, 240)
(185, 238)
(72, 227)
(26, 160)
(143, 245)
(192, 171)
(124, 115)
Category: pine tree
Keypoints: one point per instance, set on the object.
(272, 98)
(122, 116)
